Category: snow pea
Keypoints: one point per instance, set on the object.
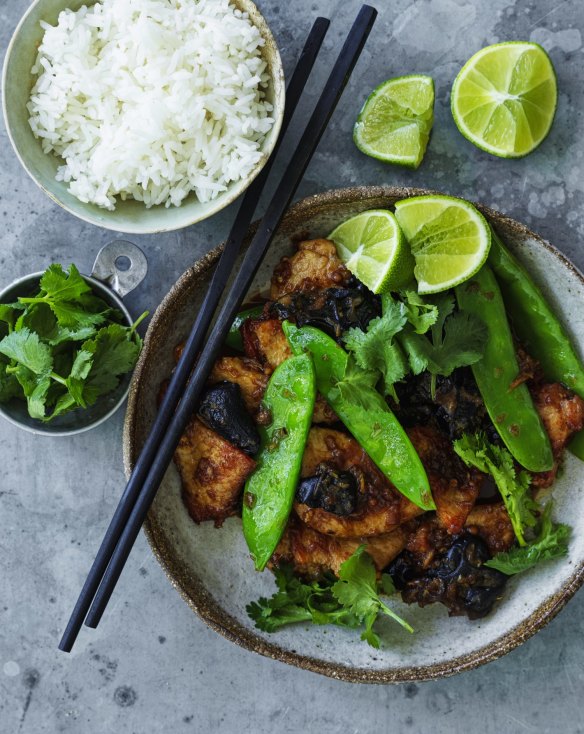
(365, 413)
(534, 321)
(233, 338)
(537, 326)
(269, 491)
(511, 408)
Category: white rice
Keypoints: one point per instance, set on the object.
(151, 99)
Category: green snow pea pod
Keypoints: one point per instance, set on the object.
(365, 413)
(511, 409)
(233, 338)
(537, 326)
(269, 492)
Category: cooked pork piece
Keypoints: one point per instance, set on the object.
(314, 266)
(264, 341)
(492, 523)
(312, 553)
(213, 473)
(245, 372)
(455, 487)
(380, 508)
(562, 413)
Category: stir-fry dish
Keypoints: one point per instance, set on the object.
(376, 444)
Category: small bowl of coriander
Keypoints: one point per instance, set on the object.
(68, 344)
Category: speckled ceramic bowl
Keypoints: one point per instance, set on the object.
(129, 216)
(211, 568)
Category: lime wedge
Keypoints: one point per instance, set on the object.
(395, 122)
(448, 237)
(374, 249)
(504, 98)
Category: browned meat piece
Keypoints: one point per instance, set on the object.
(380, 507)
(455, 488)
(562, 413)
(314, 266)
(492, 523)
(247, 373)
(264, 341)
(213, 473)
(323, 413)
(312, 553)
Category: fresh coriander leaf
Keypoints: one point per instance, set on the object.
(63, 286)
(463, 343)
(64, 403)
(115, 352)
(551, 542)
(356, 589)
(35, 388)
(375, 350)
(9, 385)
(62, 335)
(514, 488)
(357, 383)
(417, 348)
(25, 348)
(38, 318)
(420, 314)
(73, 316)
(79, 372)
(299, 601)
(9, 313)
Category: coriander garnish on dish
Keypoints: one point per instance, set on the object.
(62, 346)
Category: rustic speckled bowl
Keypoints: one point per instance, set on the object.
(211, 568)
(129, 216)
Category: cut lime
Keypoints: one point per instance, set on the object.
(374, 249)
(448, 237)
(504, 98)
(395, 122)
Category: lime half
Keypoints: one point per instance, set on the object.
(448, 237)
(395, 122)
(504, 98)
(374, 249)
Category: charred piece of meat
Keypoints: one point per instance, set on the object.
(222, 409)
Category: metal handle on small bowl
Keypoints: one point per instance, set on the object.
(107, 266)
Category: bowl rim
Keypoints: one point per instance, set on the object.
(230, 195)
(45, 429)
(211, 611)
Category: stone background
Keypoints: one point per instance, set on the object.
(153, 666)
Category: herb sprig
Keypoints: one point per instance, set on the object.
(414, 335)
(64, 347)
(353, 600)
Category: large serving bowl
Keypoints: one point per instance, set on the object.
(211, 568)
(129, 216)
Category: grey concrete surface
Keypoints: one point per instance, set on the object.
(153, 666)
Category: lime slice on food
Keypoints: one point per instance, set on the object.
(504, 98)
(448, 237)
(374, 249)
(395, 122)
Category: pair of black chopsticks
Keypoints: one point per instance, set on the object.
(186, 385)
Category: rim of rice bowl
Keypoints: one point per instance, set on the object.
(231, 165)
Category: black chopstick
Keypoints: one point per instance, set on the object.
(203, 319)
(324, 109)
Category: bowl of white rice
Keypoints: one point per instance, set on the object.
(143, 116)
